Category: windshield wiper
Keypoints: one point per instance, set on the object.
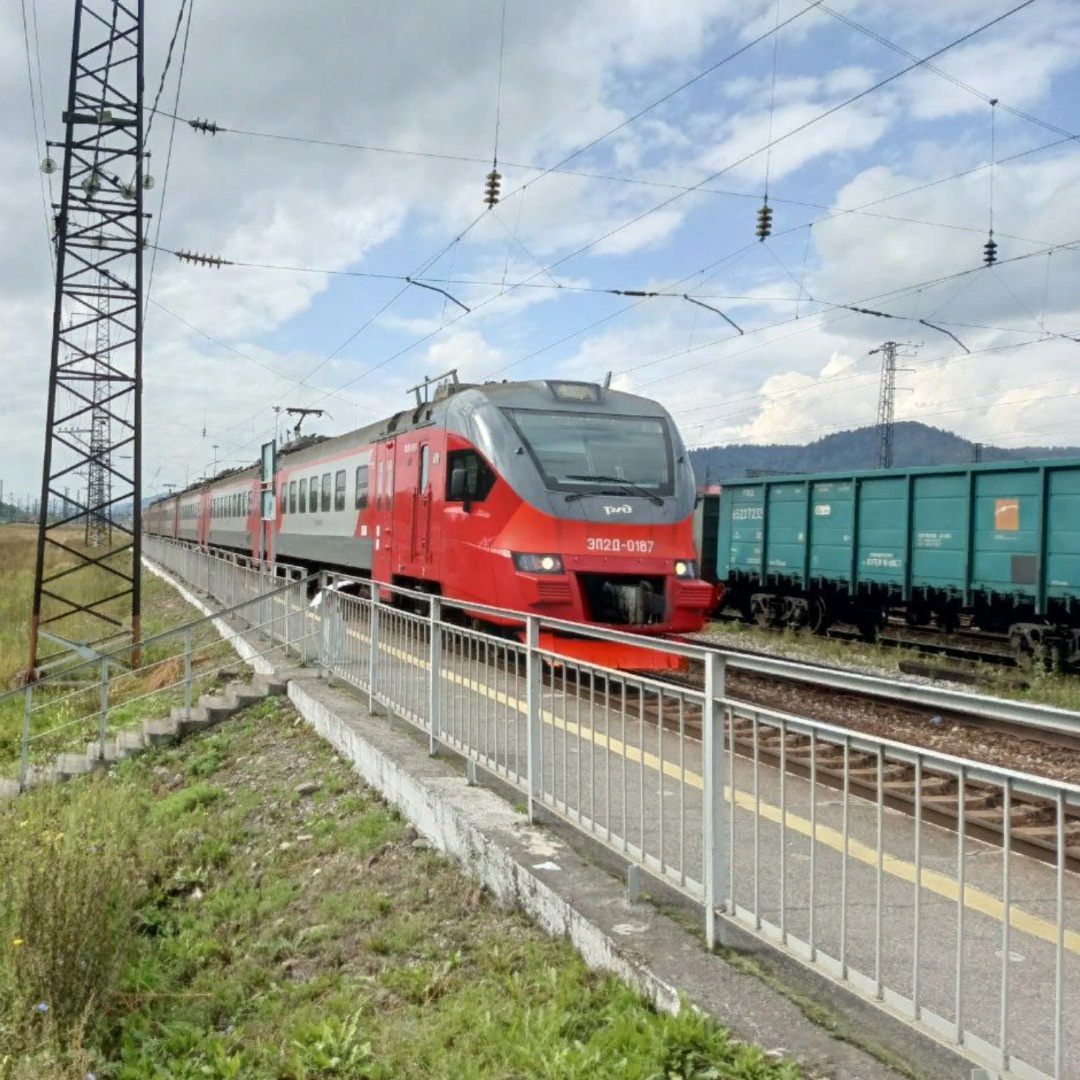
(628, 487)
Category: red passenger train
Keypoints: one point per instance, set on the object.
(565, 499)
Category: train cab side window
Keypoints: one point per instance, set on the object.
(303, 496)
(423, 485)
(361, 487)
(469, 478)
(292, 496)
(339, 490)
(326, 493)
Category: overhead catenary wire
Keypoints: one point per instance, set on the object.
(698, 186)
(39, 128)
(190, 4)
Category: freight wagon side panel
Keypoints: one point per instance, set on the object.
(832, 530)
(939, 526)
(1006, 538)
(882, 530)
(786, 531)
(708, 518)
(1063, 534)
(742, 514)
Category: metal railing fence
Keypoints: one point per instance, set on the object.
(85, 707)
(829, 844)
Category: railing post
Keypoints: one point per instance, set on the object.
(434, 674)
(103, 722)
(373, 653)
(324, 620)
(24, 757)
(287, 597)
(533, 701)
(187, 674)
(714, 805)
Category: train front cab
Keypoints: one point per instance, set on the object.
(577, 508)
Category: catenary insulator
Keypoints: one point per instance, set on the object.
(764, 221)
(491, 188)
(990, 252)
(48, 166)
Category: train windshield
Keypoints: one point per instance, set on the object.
(587, 451)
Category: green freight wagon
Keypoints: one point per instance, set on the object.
(997, 542)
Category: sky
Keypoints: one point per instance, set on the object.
(636, 140)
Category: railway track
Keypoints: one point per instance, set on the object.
(971, 648)
(1031, 823)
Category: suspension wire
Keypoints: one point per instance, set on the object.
(772, 98)
(1019, 113)
(638, 181)
(993, 157)
(498, 93)
(802, 276)
(172, 134)
(40, 132)
(990, 247)
(514, 240)
(165, 71)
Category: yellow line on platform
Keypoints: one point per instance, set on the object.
(941, 884)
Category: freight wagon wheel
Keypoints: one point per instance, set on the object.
(818, 619)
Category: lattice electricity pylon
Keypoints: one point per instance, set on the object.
(86, 595)
(98, 480)
(887, 402)
(886, 405)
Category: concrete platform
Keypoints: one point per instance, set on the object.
(859, 910)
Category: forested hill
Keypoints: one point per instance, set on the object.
(913, 444)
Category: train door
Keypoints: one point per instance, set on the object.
(202, 531)
(406, 493)
(420, 532)
(381, 470)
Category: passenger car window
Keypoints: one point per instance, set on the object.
(361, 486)
(292, 496)
(303, 496)
(339, 490)
(326, 493)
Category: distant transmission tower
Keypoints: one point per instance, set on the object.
(886, 412)
(98, 474)
(89, 592)
(886, 409)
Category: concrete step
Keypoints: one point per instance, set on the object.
(8, 789)
(36, 775)
(160, 732)
(67, 766)
(216, 708)
(243, 694)
(271, 684)
(188, 725)
(98, 759)
(129, 742)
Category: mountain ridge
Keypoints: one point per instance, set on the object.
(914, 444)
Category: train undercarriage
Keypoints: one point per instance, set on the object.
(1052, 640)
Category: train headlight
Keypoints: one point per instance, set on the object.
(529, 563)
(685, 568)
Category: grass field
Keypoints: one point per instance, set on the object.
(203, 913)
(65, 718)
